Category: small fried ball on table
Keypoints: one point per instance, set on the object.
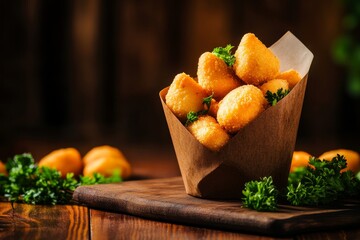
(184, 95)
(215, 76)
(65, 160)
(352, 158)
(255, 63)
(107, 165)
(239, 107)
(209, 133)
(102, 151)
(299, 159)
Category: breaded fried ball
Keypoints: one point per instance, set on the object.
(255, 63)
(65, 160)
(291, 76)
(214, 107)
(209, 133)
(239, 107)
(352, 158)
(102, 151)
(106, 166)
(184, 95)
(215, 76)
(299, 159)
(3, 168)
(274, 85)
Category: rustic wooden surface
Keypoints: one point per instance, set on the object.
(166, 200)
(80, 222)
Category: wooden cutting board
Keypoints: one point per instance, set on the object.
(166, 200)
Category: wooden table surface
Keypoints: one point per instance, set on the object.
(24, 221)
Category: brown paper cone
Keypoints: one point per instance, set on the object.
(264, 147)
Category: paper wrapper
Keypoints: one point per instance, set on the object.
(264, 147)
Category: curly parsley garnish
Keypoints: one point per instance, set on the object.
(194, 116)
(225, 54)
(260, 195)
(274, 98)
(322, 183)
(29, 183)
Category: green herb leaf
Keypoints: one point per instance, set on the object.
(274, 98)
(260, 195)
(225, 54)
(100, 179)
(321, 184)
(42, 185)
(191, 117)
(207, 101)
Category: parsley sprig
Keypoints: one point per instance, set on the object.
(321, 183)
(194, 116)
(260, 195)
(29, 183)
(274, 98)
(225, 54)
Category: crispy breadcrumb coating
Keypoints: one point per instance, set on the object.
(214, 107)
(255, 63)
(215, 76)
(209, 133)
(184, 95)
(291, 76)
(274, 85)
(239, 107)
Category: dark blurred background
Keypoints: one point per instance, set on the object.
(87, 72)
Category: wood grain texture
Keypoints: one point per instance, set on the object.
(106, 225)
(166, 200)
(26, 221)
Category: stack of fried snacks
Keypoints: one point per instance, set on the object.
(225, 97)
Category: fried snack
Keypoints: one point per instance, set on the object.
(106, 166)
(274, 85)
(184, 95)
(239, 107)
(209, 133)
(102, 151)
(255, 63)
(352, 158)
(299, 159)
(215, 76)
(214, 107)
(291, 76)
(65, 160)
(3, 168)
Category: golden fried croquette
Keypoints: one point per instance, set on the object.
(184, 95)
(215, 76)
(102, 151)
(3, 168)
(239, 107)
(255, 63)
(106, 166)
(274, 85)
(209, 133)
(352, 158)
(65, 160)
(214, 107)
(291, 76)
